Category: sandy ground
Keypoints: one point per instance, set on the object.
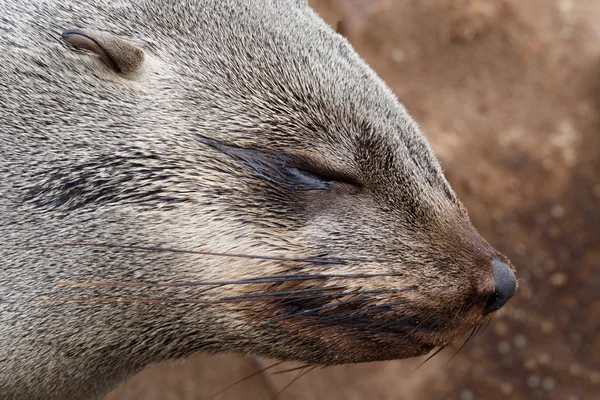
(507, 92)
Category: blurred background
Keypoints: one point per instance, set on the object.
(507, 93)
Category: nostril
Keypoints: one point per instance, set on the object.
(506, 284)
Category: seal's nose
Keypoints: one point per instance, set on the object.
(506, 284)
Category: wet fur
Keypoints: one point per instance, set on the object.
(190, 153)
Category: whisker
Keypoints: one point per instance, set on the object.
(462, 346)
(208, 253)
(423, 322)
(209, 289)
(294, 380)
(370, 309)
(400, 320)
(486, 325)
(437, 321)
(267, 279)
(123, 300)
(430, 357)
(395, 322)
(284, 293)
(477, 329)
(334, 295)
(195, 301)
(312, 310)
(290, 370)
(243, 380)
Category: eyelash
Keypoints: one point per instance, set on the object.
(295, 172)
(308, 181)
(309, 170)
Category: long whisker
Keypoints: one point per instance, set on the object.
(369, 309)
(423, 322)
(123, 300)
(486, 325)
(200, 301)
(333, 295)
(397, 321)
(436, 322)
(283, 293)
(243, 380)
(312, 310)
(430, 357)
(267, 279)
(294, 380)
(471, 334)
(285, 371)
(208, 253)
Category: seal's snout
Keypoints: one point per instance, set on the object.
(506, 284)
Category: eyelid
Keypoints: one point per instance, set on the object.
(322, 171)
(291, 171)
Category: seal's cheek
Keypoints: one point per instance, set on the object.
(334, 325)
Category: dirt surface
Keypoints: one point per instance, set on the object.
(508, 93)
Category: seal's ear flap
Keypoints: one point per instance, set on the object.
(120, 55)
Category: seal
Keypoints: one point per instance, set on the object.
(215, 176)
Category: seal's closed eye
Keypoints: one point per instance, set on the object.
(312, 167)
(291, 171)
(117, 53)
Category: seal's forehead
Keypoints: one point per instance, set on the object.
(274, 68)
(278, 76)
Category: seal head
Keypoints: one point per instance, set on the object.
(218, 176)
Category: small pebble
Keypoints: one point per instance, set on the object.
(503, 347)
(520, 341)
(466, 395)
(547, 327)
(533, 381)
(565, 5)
(530, 364)
(397, 55)
(506, 389)
(548, 384)
(557, 211)
(544, 359)
(575, 369)
(558, 279)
